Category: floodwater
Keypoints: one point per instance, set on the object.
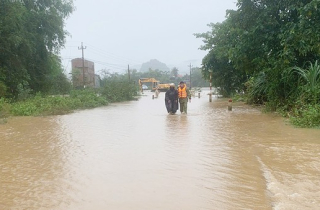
(135, 156)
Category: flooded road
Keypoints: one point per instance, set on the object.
(135, 156)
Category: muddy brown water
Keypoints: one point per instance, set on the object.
(135, 156)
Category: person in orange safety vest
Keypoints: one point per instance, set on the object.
(184, 95)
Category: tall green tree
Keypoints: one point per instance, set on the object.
(261, 40)
(197, 78)
(31, 33)
(174, 72)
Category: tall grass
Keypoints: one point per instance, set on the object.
(306, 116)
(294, 93)
(257, 89)
(4, 108)
(308, 82)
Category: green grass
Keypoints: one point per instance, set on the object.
(38, 105)
(307, 116)
(55, 105)
(4, 108)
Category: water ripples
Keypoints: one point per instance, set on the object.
(134, 155)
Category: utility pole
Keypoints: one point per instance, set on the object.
(128, 72)
(190, 74)
(83, 48)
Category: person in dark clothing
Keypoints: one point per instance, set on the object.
(171, 99)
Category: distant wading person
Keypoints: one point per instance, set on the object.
(184, 95)
(157, 92)
(171, 99)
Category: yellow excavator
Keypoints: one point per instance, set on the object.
(163, 87)
(155, 84)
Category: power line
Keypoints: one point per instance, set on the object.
(99, 62)
(103, 53)
(113, 55)
(100, 54)
(108, 64)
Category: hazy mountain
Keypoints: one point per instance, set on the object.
(154, 64)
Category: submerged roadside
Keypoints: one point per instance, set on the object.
(302, 115)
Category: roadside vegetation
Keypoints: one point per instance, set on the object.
(115, 90)
(32, 80)
(46, 105)
(267, 53)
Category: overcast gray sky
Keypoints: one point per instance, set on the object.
(121, 32)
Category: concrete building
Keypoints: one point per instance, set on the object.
(83, 77)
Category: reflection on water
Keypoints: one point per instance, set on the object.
(134, 155)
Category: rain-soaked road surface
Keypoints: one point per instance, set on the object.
(133, 156)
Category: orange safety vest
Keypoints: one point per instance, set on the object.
(182, 92)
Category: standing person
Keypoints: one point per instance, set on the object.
(157, 92)
(171, 99)
(184, 95)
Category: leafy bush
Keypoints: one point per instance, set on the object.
(257, 89)
(115, 89)
(306, 116)
(4, 108)
(118, 89)
(59, 84)
(303, 95)
(38, 105)
(307, 82)
(24, 91)
(87, 98)
(3, 89)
